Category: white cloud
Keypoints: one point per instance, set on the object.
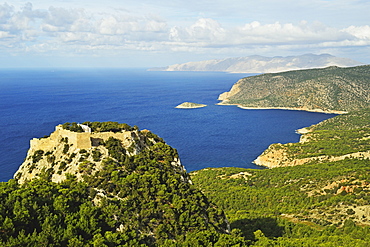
(203, 30)
(60, 19)
(361, 32)
(77, 31)
(210, 33)
(4, 34)
(5, 12)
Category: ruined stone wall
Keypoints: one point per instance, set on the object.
(125, 137)
(82, 140)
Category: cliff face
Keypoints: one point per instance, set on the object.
(333, 89)
(66, 151)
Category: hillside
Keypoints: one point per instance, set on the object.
(106, 184)
(331, 89)
(323, 204)
(260, 64)
(321, 199)
(343, 137)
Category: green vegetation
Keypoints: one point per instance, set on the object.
(117, 198)
(308, 205)
(96, 154)
(341, 135)
(354, 120)
(108, 126)
(72, 127)
(115, 148)
(145, 199)
(328, 89)
(37, 156)
(66, 148)
(315, 204)
(99, 126)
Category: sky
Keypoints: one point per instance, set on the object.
(143, 33)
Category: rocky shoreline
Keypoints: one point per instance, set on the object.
(286, 108)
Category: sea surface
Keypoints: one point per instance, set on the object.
(33, 102)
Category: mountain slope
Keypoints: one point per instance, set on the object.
(260, 64)
(330, 89)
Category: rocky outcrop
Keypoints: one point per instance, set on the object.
(276, 155)
(190, 105)
(112, 179)
(68, 152)
(260, 64)
(224, 97)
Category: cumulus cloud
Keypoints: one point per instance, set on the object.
(77, 31)
(207, 35)
(361, 32)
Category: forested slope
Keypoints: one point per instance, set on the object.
(120, 199)
(322, 202)
(310, 205)
(331, 89)
(342, 137)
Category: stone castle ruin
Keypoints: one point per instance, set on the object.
(79, 140)
(62, 151)
(68, 152)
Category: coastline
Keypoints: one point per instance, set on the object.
(285, 108)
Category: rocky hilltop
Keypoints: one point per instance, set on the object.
(72, 146)
(260, 64)
(106, 184)
(331, 89)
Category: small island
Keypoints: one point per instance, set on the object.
(190, 105)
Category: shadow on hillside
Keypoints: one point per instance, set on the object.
(268, 226)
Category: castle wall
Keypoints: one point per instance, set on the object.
(125, 137)
(44, 143)
(78, 140)
(83, 140)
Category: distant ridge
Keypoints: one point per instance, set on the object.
(261, 64)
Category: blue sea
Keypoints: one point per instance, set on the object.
(33, 102)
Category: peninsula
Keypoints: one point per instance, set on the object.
(331, 90)
(190, 105)
(343, 137)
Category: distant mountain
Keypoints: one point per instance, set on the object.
(260, 64)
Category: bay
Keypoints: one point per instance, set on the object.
(33, 102)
